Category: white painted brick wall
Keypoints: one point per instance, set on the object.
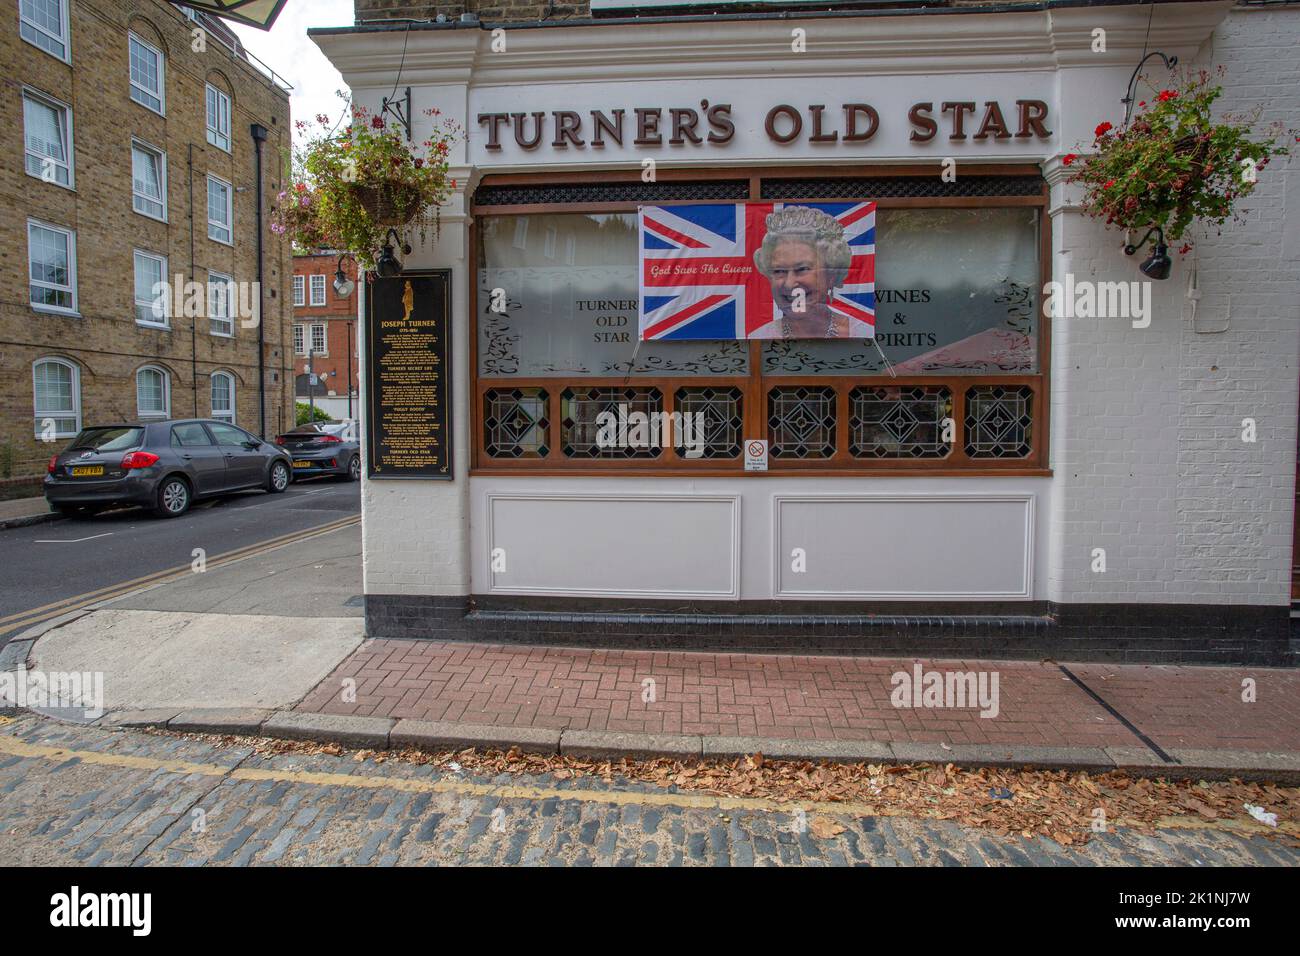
(415, 534)
(1146, 424)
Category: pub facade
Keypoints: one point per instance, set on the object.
(967, 425)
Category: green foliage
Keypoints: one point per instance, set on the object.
(1174, 165)
(348, 187)
(304, 414)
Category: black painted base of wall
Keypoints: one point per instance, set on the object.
(1120, 633)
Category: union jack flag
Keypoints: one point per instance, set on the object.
(699, 281)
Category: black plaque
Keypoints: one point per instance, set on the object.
(408, 376)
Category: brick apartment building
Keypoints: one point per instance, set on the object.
(324, 334)
(128, 131)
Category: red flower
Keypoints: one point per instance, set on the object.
(418, 162)
(1167, 95)
(1143, 103)
(453, 184)
(1068, 158)
(300, 187)
(1185, 248)
(377, 122)
(1108, 184)
(1103, 128)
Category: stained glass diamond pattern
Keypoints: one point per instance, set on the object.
(515, 424)
(999, 421)
(899, 422)
(801, 422)
(719, 425)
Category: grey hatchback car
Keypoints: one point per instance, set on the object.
(165, 466)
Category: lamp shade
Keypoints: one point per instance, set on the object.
(254, 13)
(388, 265)
(1158, 265)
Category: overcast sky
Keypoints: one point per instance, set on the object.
(287, 50)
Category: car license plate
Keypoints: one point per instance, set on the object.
(304, 464)
(87, 471)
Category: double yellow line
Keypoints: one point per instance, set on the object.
(25, 619)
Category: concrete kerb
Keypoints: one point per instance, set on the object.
(368, 732)
(437, 735)
(381, 733)
(220, 720)
(26, 520)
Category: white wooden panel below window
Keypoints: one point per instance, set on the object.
(615, 545)
(903, 547)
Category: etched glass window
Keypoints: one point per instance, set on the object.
(999, 421)
(956, 293)
(545, 315)
(515, 423)
(899, 421)
(617, 423)
(801, 422)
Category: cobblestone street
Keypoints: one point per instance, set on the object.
(81, 795)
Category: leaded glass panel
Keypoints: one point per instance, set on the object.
(611, 422)
(999, 421)
(801, 422)
(515, 423)
(899, 421)
(711, 423)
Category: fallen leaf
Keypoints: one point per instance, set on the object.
(823, 828)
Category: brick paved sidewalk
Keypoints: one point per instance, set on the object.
(823, 698)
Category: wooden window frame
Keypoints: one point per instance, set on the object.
(754, 385)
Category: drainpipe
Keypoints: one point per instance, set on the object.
(194, 326)
(259, 137)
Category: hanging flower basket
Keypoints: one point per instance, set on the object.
(350, 186)
(388, 204)
(1174, 165)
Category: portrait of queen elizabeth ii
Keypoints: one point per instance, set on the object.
(805, 257)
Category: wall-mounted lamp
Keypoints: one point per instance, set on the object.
(389, 265)
(1158, 264)
(342, 284)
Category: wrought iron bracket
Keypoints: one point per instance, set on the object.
(399, 107)
(1169, 61)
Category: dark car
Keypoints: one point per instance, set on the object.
(161, 465)
(324, 448)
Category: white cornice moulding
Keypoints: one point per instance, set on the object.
(760, 49)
